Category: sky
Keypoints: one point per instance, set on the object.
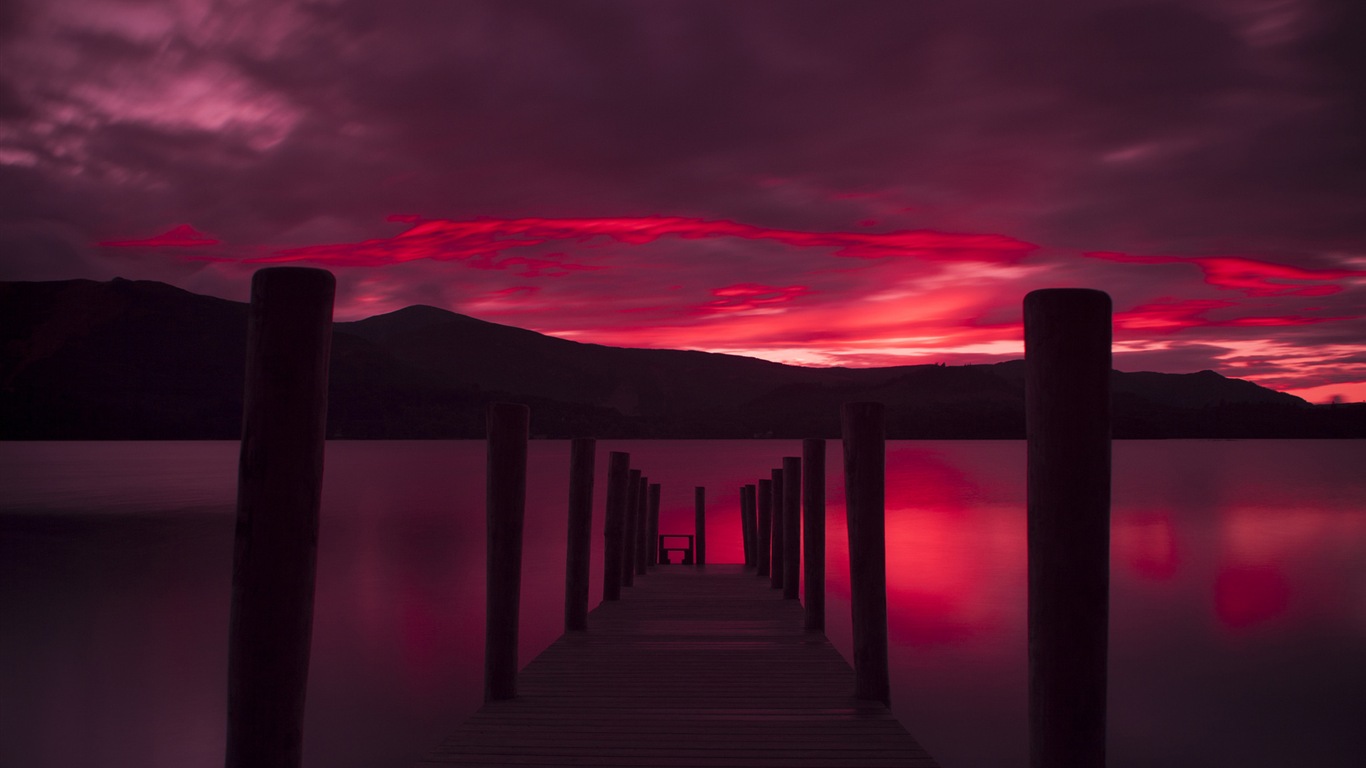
(820, 183)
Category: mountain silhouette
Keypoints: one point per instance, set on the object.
(145, 360)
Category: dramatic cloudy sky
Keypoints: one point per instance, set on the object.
(852, 183)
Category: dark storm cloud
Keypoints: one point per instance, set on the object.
(1162, 131)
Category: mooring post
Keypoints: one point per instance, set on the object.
(776, 569)
(744, 526)
(279, 493)
(762, 528)
(628, 538)
(654, 524)
(643, 527)
(751, 521)
(699, 494)
(1067, 423)
(865, 494)
(582, 455)
(792, 527)
(505, 485)
(614, 526)
(813, 531)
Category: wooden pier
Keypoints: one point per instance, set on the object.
(693, 666)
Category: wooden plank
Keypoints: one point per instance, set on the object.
(695, 666)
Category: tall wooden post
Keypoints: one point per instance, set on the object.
(865, 496)
(813, 530)
(763, 529)
(1067, 415)
(628, 546)
(582, 455)
(614, 526)
(279, 493)
(752, 522)
(506, 504)
(776, 570)
(700, 524)
(792, 527)
(654, 524)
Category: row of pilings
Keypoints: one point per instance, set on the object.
(1067, 352)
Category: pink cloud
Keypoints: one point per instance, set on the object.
(1251, 276)
(480, 242)
(1168, 316)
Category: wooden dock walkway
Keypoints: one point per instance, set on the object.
(694, 666)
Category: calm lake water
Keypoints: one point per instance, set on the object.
(1238, 618)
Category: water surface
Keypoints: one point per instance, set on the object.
(1238, 622)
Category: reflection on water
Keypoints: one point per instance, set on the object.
(1238, 595)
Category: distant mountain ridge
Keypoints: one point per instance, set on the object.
(145, 360)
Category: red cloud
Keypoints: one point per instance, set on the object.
(1252, 277)
(1166, 316)
(183, 236)
(748, 296)
(480, 242)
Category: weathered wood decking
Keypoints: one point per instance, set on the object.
(694, 666)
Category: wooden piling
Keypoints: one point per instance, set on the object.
(654, 525)
(1067, 414)
(745, 545)
(628, 545)
(763, 529)
(752, 522)
(614, 526)
(582, 456)
(508, 425)
(792, 527)
(813, 532)
(865, 493)
(700, 524)
(279, 491)
(643, 527)
(776, 569)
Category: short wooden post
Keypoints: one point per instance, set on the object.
(643, 527)
(654, 524)
(813, 530)
(792, 527)
(776, 569)
(582, 455)
(1067, 415)
(699, 495)
(279, 492)
(614, 526)
(865, 494)
(762, 528)
(628, 546)
(744, 526)
(752, 522)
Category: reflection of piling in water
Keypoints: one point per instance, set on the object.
(775, 570)
(792, 526)
(618, 495)
(762, 529)
(506, 503)
(279, 491)
(865, 494)
(579, 540)
(813, 532)
(1067, 413)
